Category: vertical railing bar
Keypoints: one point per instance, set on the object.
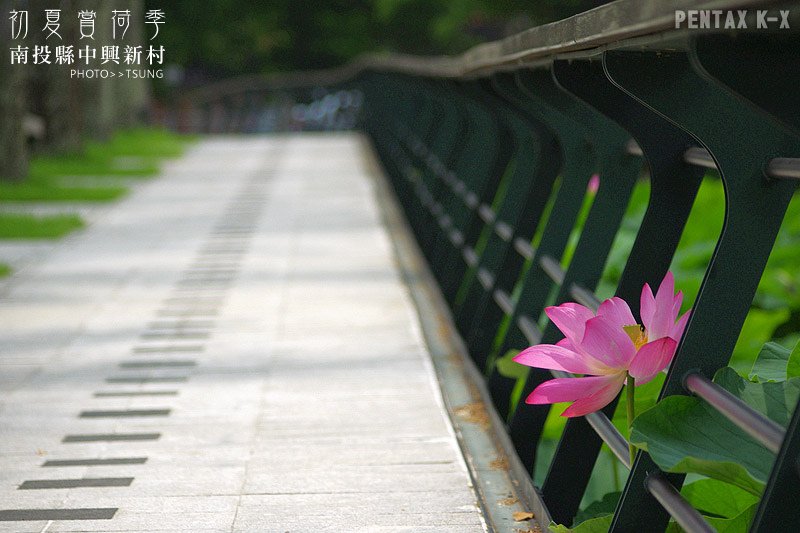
(779, 500)
(753, 216)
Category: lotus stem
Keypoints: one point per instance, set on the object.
(631, 410)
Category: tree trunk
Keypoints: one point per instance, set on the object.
(60, 95)
(132, 95)
(13, 152)
(97, 99)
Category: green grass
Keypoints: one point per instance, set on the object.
(93, 162)
(24, 226)
(90, 176)
(41, 189)
(131, 154)
(149, 142)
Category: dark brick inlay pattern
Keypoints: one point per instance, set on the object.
(99, 513)
(36, 484)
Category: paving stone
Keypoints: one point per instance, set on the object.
(311, 404)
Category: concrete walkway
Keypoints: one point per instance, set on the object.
(231, 348)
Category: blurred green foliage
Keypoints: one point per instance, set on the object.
(93, 175)
(229, 37)
(25, 226)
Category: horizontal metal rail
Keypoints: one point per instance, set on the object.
(581, 294)
(611, 436)
(778, 168)
(784, 167)
(699, 157)
(684, 514)
(503, 230)
(605, 429)
(503, 301)
(486, 278)
(529, 328)
(584, 296)
(523, 248)
(745, 417)
(486, 213)
(470, 198)
(470, 256)
(552, 268)
(457, 238)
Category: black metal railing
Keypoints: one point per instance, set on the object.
(481, 147)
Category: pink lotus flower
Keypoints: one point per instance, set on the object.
(594, 183)
(607, 348)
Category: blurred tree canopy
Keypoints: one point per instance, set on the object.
(229, 37)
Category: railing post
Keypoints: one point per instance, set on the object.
(778, 508)
(674, 185)
(670, 82)
(578, 157)
(526, 188)
(456, 137)
(618, 171)
(487, 151)
(538, 170)
(442, 143)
